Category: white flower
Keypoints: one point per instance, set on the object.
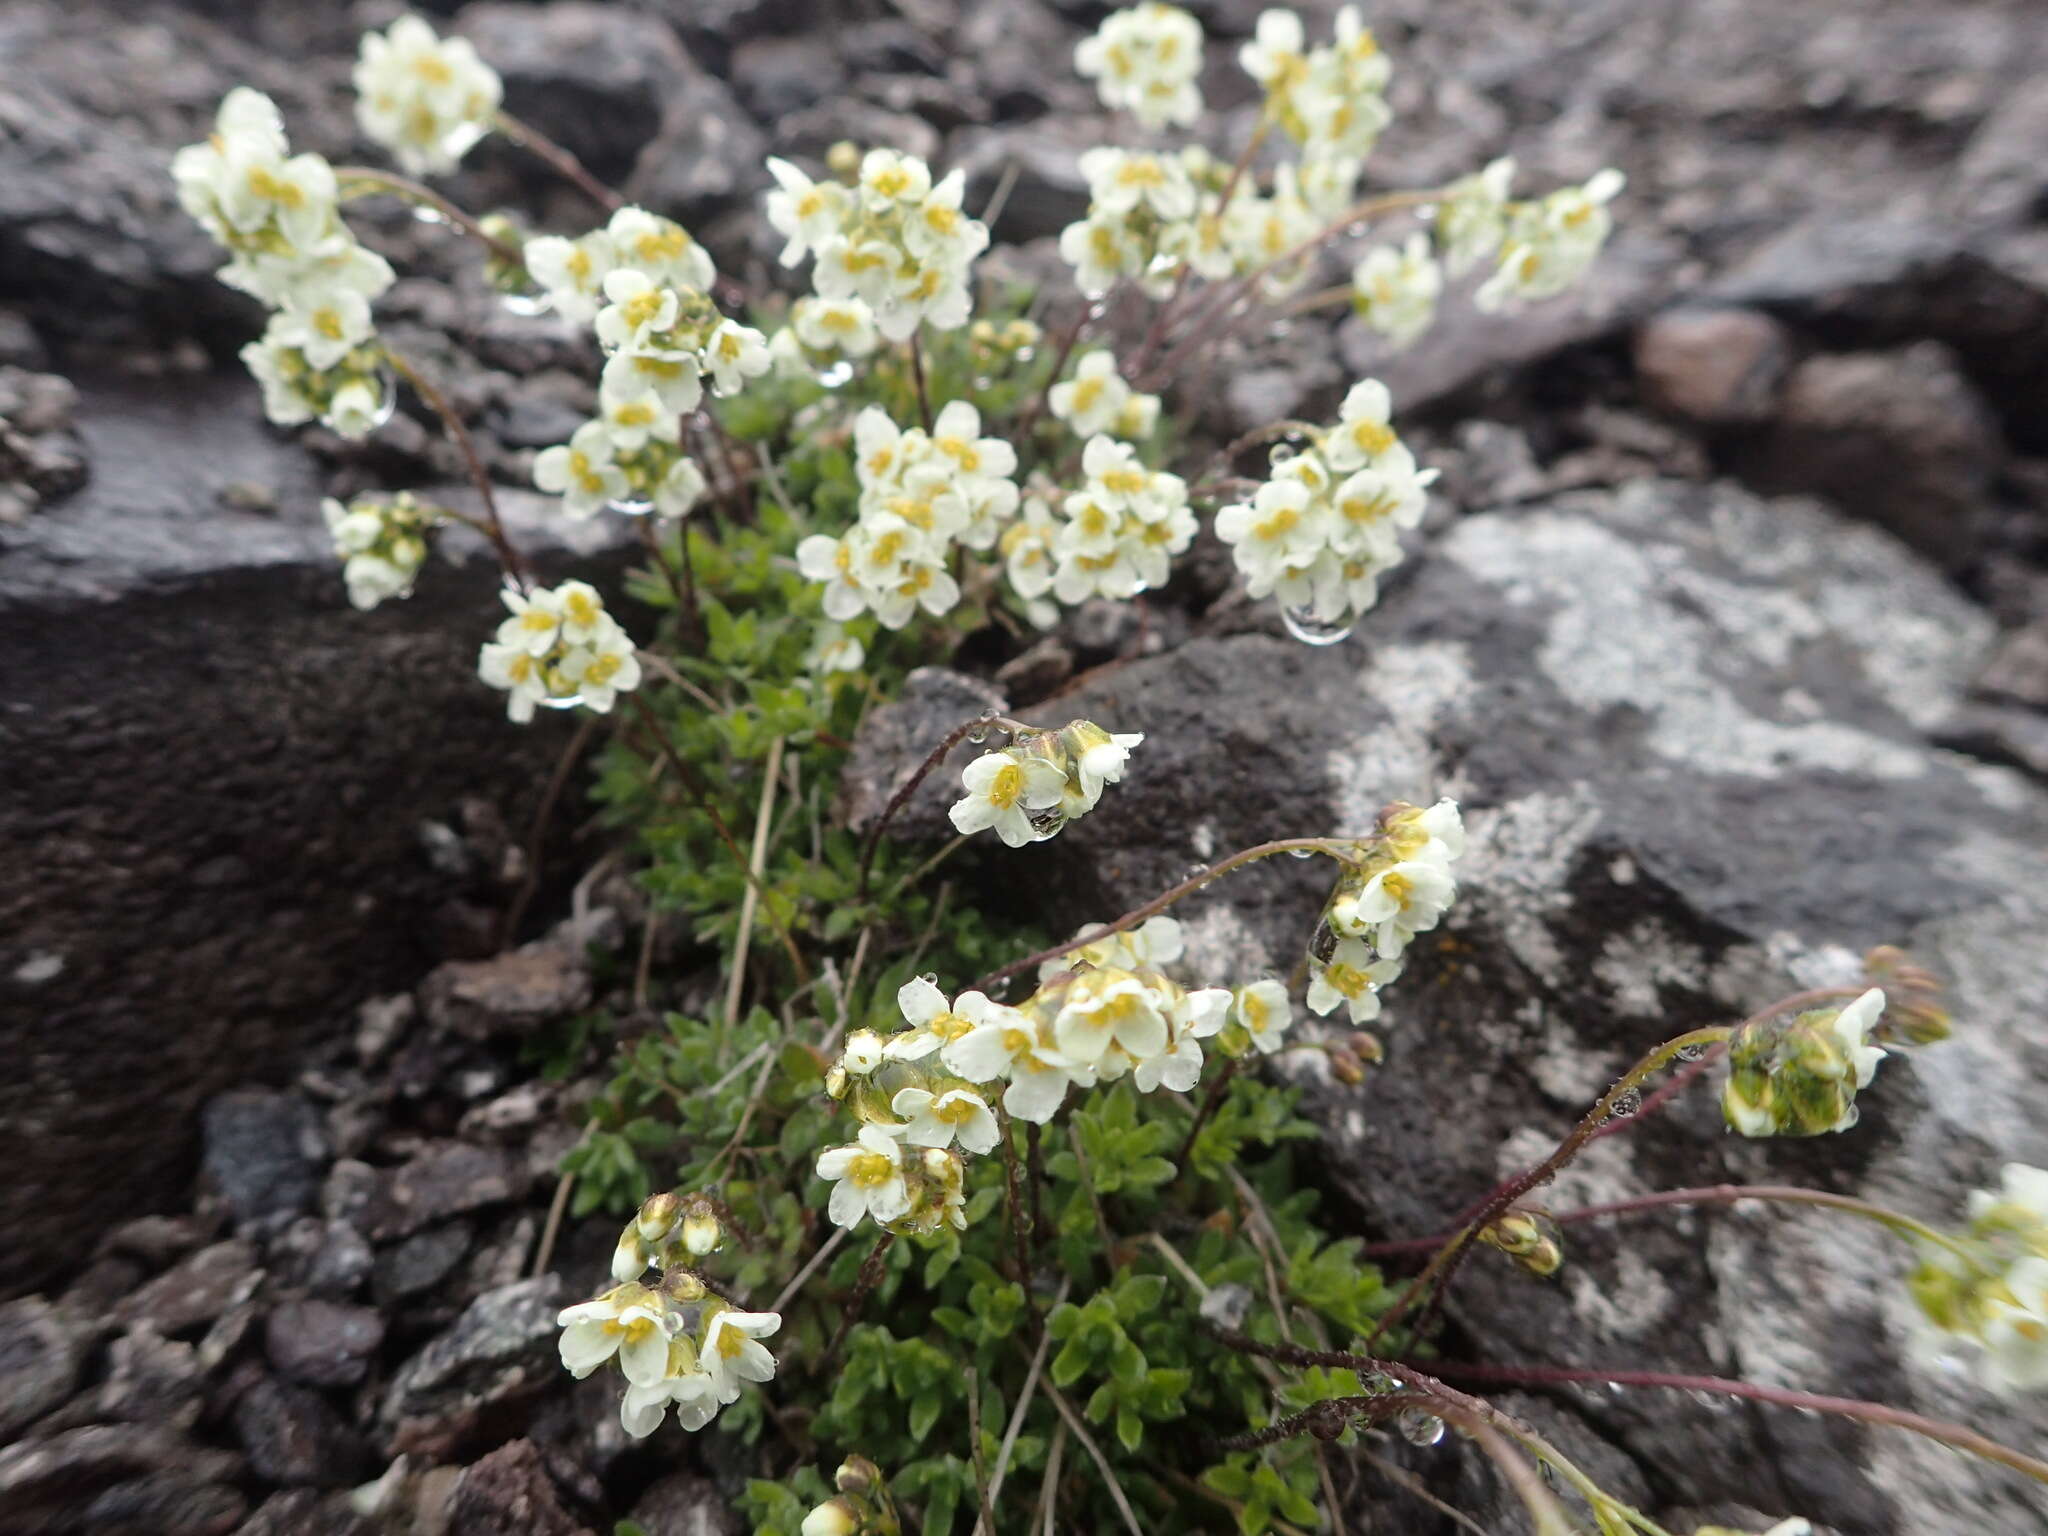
(1395, 290)
(834, 650)
(1144, 60)
(1002, 789)
(1101, 249)
(935, 1120)
(1101, 761)
(2015, 1330)
(1395, 905)
(1473, 217)
(628, 1322)
(2022, 1200)
(1364, 427)
(1352, 977)
(730, 1352)
(660, 250)
(603, 668)
(630, 421)
(637, 310)
(582, 471)
(673, 377)
(680, 489)
(937, 231)
(536, 620)
(1107, 1016)
(734, 353)
(862, 1052)
(424, 98)
(934, 1023)
(888, 177)
(572, 272)
(868, 1179)
(1281, 528)
(1550, 244)
(845, 326)
(1265, 1012)
(1852, 1027)
(1276, 52)
(855, 268)
(1091, 402)
(516, 671)
(806, 213)
(1121, 181)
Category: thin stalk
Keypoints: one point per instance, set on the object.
(812, 1265)
(508, 556)
(1156, 333)
(1343, 850)
(685, 604)
(929, 865)
(1013, 1197)
(987, 1519)
(870, 1276)
(1786, 1194)
(1960, 1436)
(1080, 1431)
(1210, 1100)
(1016, 1425)
(508, 925)
(757, 866)
(357, 180)
(924, 399)
(564, 164)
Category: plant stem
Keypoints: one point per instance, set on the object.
(1444, 1265)
(1013, 1195)
(1343, 850)
(757, 864)
(1960, 1436)
(368, 179)
(564, 164)
(924, 401)
(1210, 1100)
(508, 556)
(1786, 1194)
(1080, 1431)
(508, 925)
(870, 1276)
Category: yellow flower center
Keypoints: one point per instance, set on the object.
(1371, 436)
(1006, 787)
(956, 1111)
(869, 1170)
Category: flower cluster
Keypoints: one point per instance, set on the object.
(1394, 289)
(559, 649)
(1547, 245)
(1800, 1077)
(1400, 886)
(1997, 1297)
(276, 213)
(892, 250)
(426, 99)
(1145, 61)
(381, 543)
(921, 493)
(1096, 402)
(1040, 782)
(1330, 100)
(1117, 535)
(645, 286)
(1327, 522)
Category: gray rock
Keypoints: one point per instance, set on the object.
(152, 1380)
(1713, 365)
(684, 1505)
(422, 1261)
(322, 1343)
(264, 1152)
(327, 1258)
(197, 1290)
(159, 1239)
(512, 993)
(499, 1351)
(897, 737)
(508, 1494)
(171, 1504)
(443, 1179)
(39, 1361)
(51, 1485)
(2017, 669)
(303, 1512)
(295, 1437)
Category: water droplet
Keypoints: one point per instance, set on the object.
(534, 301)
(1301, 853)
(1322, 943)
(1419, 1428)
(424, 215)
(631, 506)
(1226, 1306)
(1309, 629)
(834, 375)
(1045, 823)
(387, 396)
(977, 734)
(930, 978)
(1626, 1103)
(1025, 354)
(1691, 1052)
(991, 713)
(1379, 1383)
(561, 701)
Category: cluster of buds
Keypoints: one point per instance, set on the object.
(1399, 885)
(559, 649)
(277, 215)
(668, 1230)
(1800, 1077)
(645, 285)
(1529, 1238)
(1326, 524)
(424, 98)
(890, 241)
(1145, 61)
(381, 542)
(1914, 1013)
(1996, 1299)
(921, 494)
(1032, 788)
(1096, 402)
(862, 1506)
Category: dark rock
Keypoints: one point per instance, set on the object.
(510, 993)
(1713, 365)
(1901, 437)
(1049, 192)
(152, 1380)
(683, 1505)
(47, 1485)
(322, 1343)
(1036, 670)
(39, 1360)
(497, 1353)
(302, 1512)
(170, 1504)
(444, 1179)
(508, 1494)
(540, 410)
(707, 156)
(20, 347)
(2017, 669)
(808, 134)
(198, 1290)
(776, 76)
(422, 1261)
(512, 1116)
(327, 1258)
(158, 1239)
(898, 736)
(350, 1188)
(295, 1438)
(264, 1152)
(227, 1335)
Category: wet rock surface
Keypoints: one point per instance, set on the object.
(1711, 743)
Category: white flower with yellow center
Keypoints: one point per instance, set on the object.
(888, 177)
(1145, 60)
(1008, 1048)
(1395, 905)
(673, 377)
(519, 673)
(1472, 219)
(1092, 402)
(862, 1053)
(629, 1322)
(867, 1179)
(2015, 1329)
(930, 294)
(730, 1351)
(822, 558)
(1283, 527)
(1364, 427)
(1394, 289)
(804, 212)
(1353, 977)
(1122, 181)
(1852, 1027)
(581, 606)
(1276, 56)
(734, 353)
(832, 649)
(845, 326)
(934, 1023)
(1108, 1020)
(660, 249)
(1099, 757)
(582, 471)
(937, 231)
(572, 272)
(632, 420)
(536, 621)
(1101, 249)
(637, 310)
(680, 489)
(425, 98)
(856, 267)
(1372, 505)
(604, 668)
(939, 1119)
(1264, 1010)
(1003, 788)
(1550, 244)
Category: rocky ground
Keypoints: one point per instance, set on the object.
(1731, 632)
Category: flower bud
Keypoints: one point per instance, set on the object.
(702, 1233)
(657, 1218)
(857, 1475)
(863, 1052)
(843, 158)
(1530, 1238)
(834, 1517)
(630, 1258)
(1345, 1067)
(1366, 1046)
(836, 1083)
(1800, 1078)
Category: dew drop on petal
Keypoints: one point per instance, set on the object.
(1419, 1428)
(977, 734)
(1310, 629)
(561, 701)
(387, 396)
(1046, 823)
